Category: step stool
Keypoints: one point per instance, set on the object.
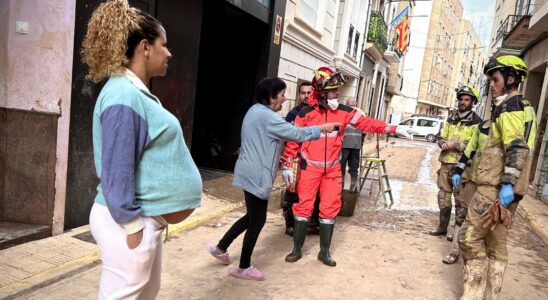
(371, 165)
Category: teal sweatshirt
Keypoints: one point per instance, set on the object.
(141, 159)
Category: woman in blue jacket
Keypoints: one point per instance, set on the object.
(263, 132)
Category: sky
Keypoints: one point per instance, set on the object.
(481, 13)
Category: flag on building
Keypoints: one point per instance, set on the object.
(402, 30)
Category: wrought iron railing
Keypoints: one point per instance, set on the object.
(378, 31)
(393, 38)
(507, 26)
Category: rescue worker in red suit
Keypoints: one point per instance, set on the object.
(320, 160)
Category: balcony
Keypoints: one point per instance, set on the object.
(505, 28)
(515, 31)
(392, 53)
(395, 81)
(377, 41)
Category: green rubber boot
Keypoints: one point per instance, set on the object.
(299, 234)
(326, 233)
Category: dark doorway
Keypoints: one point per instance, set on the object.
(182, 21)
(233, 58)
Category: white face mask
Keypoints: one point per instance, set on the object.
(333, 103)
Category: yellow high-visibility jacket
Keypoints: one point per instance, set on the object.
(474, 150)
(457, 129)
(508, 153)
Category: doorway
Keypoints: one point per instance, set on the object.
(233, 59)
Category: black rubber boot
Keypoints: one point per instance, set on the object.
(326, 233)
(353, 180)
(445, 217)
(299, 234)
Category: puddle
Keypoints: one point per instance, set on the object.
(420, 194)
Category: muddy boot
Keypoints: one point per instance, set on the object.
(475, 279)
(445, 217)
(299, 234)
(453, 256)
(326, 233)
(353, 180)
(495, 274)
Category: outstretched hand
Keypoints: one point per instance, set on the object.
(404, 132)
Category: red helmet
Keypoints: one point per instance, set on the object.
(327, 79)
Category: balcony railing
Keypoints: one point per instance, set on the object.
(507, 26)
(393, 38)
(378, 31)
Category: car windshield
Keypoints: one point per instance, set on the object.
(408, 122)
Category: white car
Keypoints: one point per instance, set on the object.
(427, 127)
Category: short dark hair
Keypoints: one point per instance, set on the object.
(304, 83)
(269, 88)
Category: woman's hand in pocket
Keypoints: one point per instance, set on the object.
(134, 239)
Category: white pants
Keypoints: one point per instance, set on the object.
(127, 273)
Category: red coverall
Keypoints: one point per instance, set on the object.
(320, 159)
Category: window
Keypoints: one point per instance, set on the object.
(426, 123)
(349, 42)
(308, 10)
(407, 122)
(356, 40)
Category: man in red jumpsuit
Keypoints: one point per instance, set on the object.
(320, 159)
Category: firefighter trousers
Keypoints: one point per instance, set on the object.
(329, 183)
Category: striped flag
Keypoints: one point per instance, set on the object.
(402, 29)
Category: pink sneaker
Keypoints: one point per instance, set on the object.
(220, 256)
(250, 273)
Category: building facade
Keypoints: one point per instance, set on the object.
(324, 33)
(502, 23)
(468, 60)
(435, 84)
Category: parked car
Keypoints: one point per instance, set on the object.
(423, 126)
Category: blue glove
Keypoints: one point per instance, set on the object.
(455, 179)
(506, 194)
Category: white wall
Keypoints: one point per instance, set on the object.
(39, 64)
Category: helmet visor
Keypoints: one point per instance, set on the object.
(336, 80)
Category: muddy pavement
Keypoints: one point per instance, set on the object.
(381, 254)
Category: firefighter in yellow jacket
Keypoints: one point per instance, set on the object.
(467, 189)
(502, 178)
(454, 137)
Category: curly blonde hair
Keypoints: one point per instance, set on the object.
(114, 30)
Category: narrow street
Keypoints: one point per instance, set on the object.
(380, 253)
